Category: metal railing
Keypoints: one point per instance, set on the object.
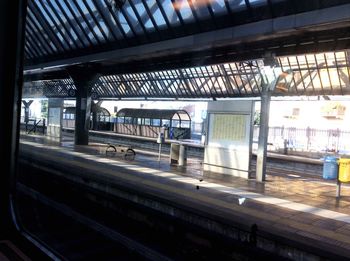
(308, 139)
(34, 125)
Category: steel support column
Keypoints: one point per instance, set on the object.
(263, 133)
(84, 80)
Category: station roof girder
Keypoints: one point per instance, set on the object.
(66, 32)
(313, 74)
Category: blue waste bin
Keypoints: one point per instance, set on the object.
(330, 167)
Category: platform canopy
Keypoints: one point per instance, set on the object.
(155, 114)
(67, 32)
(313, 74)
(185, 49)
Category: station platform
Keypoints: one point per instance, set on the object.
(289, 206)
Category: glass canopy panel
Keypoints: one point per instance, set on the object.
(52, 24)
(80, 19)
(169, 10)
(237, 5)
(201, 8)
(61, 24)
(90, 20)
(110, 21)
(183, 7)
(143, 15)
(218, 7)
(70, 22)
(125, 26)
(255, 3)
(39, 30)
(314, 74)
(131, 16)
(156, 13)
(342, 61)
(99, 21)
(31, 32)
(71, 18)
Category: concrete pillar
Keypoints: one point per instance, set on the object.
(263, 134)
(84, 79)
(82, 116)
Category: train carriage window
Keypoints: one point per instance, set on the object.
(136, 203)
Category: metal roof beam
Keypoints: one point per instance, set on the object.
(289, 26)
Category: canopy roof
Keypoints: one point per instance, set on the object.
(155, 114)
(57, 30)
(100, 110)
(185, 49)
(313, 74)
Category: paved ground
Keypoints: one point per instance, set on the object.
(289, 201)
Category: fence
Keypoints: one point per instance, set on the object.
(32, 125)
(301, 139)
(308, 139)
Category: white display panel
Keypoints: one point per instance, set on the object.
(229, 138)
(54, 116)
(227, 129)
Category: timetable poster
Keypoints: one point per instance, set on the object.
(228, 128)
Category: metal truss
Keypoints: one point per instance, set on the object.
(58, 29)
(313, 74)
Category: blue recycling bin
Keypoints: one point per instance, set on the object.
(330, 167)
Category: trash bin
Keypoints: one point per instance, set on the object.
(344, 170)
(330, 167)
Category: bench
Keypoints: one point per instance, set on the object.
(126, 151)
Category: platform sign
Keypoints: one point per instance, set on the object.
(228, 146)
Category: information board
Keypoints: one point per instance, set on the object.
(228, 127)
(229, 138)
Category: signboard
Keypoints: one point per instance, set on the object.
(228, 146)
(228, 128)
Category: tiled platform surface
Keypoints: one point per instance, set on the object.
(289, 201)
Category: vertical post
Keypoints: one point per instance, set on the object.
(160, 151)
(84, 79)
(263, 133)
(338, 189)
(82, 115)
